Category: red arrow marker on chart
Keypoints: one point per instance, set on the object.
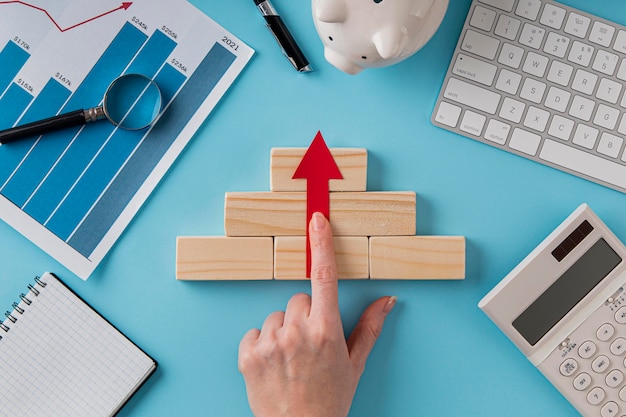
(318, 167)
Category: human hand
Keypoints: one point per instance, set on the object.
(299, 363)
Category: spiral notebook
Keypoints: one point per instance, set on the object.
(59, 357)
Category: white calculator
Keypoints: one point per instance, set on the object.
(564, 307)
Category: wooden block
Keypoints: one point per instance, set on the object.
(351, 255)
(351, 214)
(417, 257)
(224, 258)
(352, 163)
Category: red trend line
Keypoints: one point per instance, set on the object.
(125, 6)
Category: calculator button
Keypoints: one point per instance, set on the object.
(606, 331)
(568, 367)
(610, 409)
(596, 396)
(582, 382)
(622, 394)
(618, 346)
(620, 315)
(600, 364)
(587, 349)
(614, 378)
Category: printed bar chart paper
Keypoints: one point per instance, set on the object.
(72, 192)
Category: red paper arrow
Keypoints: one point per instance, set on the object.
(318, 167)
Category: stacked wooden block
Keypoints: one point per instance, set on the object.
(374, 232)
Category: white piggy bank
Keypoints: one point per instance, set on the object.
(360, 34)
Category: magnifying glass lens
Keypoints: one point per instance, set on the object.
(132, 102)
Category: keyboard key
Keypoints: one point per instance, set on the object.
(582, 108)
(609, 409)
(596, 396)
(620, 42)
(586, 136)
(556, 45)
(536, 119)
(618, 347)
(600, 364)
(605, 332)
(474, 69)
(481, 45)
(448, 114)
(511, 55)
(528, 9)
(582, 381)
(560, 73)
(568, 367)
(507, 27)
(497, 131)
(472, 95)
(533, 90)
(557, 99)
(605, 62)
(581, 53)
(512, 110)
(584, 82)
(483, 18)
(508, 81)
(561, 128)
(587, 349)
(621, 73)
(535, 64)
(602, 34)
(553, 16)
(506, 5)
(525, 141)
(473, 123)
(606, 117)
(609, 90)
(610, 145)
(532, 36)
(584, 163)
(622, 125)
(614, 378)
(577, 25)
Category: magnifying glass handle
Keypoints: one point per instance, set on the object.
(75, 118)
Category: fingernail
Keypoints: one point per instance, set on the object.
(391, 303)
(319, 221)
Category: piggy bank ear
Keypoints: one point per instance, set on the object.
(331, 11)
(390, 42)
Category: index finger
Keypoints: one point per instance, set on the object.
(324, 292)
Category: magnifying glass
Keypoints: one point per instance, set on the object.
(131, 102)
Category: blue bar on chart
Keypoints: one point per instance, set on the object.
(86, 193)
(41, 160)
(13, 104)
(12, 59)
(151, 150)
(92, 159)
(48, 103)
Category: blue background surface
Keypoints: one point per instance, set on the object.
(438, 354)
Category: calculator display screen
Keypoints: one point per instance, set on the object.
(566, 291)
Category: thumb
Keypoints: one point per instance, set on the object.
(367, 330)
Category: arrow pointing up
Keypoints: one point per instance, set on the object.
(318, 167)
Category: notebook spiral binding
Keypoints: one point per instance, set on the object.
(12, 316)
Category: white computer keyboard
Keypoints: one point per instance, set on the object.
(542, 80)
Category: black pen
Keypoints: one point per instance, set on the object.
(287, 43)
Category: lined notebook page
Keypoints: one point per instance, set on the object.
(61, 358)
